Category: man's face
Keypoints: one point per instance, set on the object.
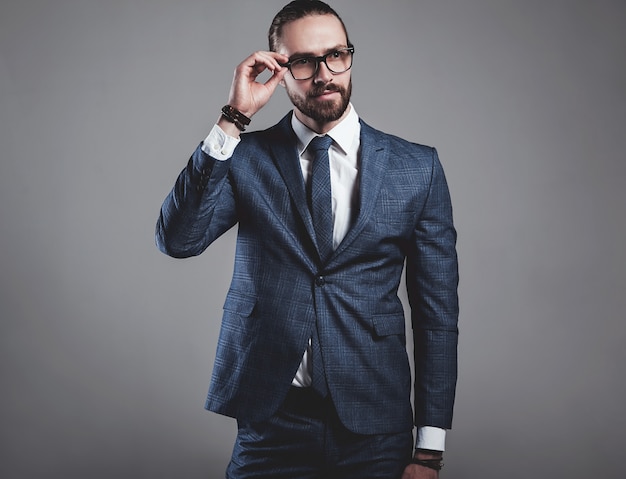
(324, 98)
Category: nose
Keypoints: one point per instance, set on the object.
(323, 75)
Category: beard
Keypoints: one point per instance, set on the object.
(322, 111)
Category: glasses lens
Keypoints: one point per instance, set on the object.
(303, 68)
(339, 61)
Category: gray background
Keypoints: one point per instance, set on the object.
(107, 345)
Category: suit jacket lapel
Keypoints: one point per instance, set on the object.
(283, 143)
(373, 163)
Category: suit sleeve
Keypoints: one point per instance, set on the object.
(200, 207)
(432, 280)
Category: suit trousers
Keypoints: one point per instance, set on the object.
(305, 439)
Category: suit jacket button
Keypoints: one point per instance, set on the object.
(320, 281)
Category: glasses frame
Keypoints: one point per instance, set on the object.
(318, 60)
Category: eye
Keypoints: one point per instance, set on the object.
(301, 62)
(337, 54)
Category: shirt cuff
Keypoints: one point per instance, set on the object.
(429, 437)
(219, 145)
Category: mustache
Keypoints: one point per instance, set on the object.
(318, 90)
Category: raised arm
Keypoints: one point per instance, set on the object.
(201, 206)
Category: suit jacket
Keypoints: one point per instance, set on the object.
(281, 289)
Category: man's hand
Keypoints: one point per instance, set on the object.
(415, 471)
(247, 94)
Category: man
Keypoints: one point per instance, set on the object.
(311, 357)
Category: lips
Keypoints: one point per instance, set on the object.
(325, 91)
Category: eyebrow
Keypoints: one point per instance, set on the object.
(297, 55)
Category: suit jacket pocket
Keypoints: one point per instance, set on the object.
(388, 324)
(242, 305)
(238, 311)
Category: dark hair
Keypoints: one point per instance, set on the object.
(295, 11)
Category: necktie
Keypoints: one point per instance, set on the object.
(320, 201)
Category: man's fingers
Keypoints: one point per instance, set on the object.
(260, 61)
(249, 95)
(273, 81)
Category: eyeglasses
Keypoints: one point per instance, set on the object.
(337, 61)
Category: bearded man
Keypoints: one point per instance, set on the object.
(311, 358)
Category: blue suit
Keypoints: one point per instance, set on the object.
(281, 290)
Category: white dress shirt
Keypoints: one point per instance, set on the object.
(344, 179)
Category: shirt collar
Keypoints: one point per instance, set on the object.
(342, 134)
